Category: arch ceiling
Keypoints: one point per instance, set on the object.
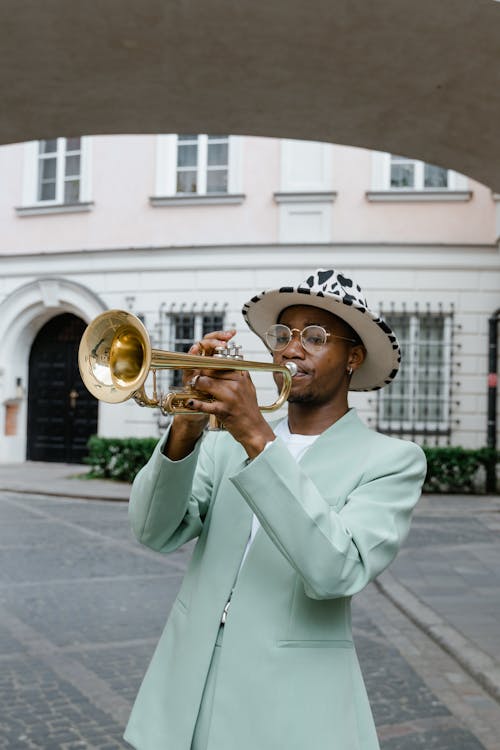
(419, 78)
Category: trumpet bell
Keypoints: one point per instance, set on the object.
(129, 358)
(114, 356)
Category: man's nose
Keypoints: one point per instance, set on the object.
(294, 347)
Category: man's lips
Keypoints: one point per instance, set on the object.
(301, 372)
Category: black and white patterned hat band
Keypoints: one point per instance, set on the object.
(340, 295)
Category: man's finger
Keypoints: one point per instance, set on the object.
(204, 407)
(223, 335)
(211, 341)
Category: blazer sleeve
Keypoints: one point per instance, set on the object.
(336, 553)
(170, 499)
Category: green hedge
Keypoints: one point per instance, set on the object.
(118, 458)
(455, 469)
(449, 470)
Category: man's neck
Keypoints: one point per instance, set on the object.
(307, 419)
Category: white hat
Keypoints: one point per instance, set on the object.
(338, 294)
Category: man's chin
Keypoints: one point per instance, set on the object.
(300, 398)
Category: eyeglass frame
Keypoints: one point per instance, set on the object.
(300, 332)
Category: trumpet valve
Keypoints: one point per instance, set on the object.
(236, 352)
(231, 351)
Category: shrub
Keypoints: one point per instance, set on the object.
(449, 469)
(118, 458)
(456, 469)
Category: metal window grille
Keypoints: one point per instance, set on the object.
(418, 403)
(186, 328)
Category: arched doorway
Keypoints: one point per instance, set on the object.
(61, 412)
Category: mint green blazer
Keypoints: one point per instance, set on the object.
(288, 674)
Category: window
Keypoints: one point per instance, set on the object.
(400, 178)
(59, 170)
(56, 176)
(416, 175)
(417, 402)
(198, 169)
(202, 164)
(186, 328)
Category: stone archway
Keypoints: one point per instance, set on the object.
(414, 78)
(23, 313)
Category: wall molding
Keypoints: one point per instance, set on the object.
(55, 208)
(210, 199)
(417, 196)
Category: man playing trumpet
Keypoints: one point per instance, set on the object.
(291, 518)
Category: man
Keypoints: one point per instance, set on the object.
(292, 519)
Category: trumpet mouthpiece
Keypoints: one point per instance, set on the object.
(292, 368)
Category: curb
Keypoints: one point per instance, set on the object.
(478, 664)
(64, 494)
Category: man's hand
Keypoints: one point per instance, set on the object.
(187, 428)
(234, 403)
(233, 400)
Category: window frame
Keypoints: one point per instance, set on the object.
(165, 188)
(202, 168)
(382, 190)
(419, 175)
(30, 200)
(415, 426)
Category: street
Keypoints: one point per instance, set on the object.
(82, 607)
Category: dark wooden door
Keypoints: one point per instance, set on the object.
(62, 414)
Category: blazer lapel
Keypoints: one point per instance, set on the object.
(325, 460)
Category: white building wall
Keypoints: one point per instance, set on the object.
(192, 279)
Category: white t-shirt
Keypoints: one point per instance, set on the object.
(297, 445)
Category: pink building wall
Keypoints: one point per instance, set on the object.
(357, 220)
(123, 179)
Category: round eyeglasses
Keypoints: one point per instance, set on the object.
(312, 338)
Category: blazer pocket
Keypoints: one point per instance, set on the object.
(315, 644)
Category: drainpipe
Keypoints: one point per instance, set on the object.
(491, 480)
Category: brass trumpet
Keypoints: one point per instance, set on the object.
(115, 358)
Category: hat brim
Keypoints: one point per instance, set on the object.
(383, 354)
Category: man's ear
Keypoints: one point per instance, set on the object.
(357, 356)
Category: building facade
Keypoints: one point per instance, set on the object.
(183, 229)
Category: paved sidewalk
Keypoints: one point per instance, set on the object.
(63, 480)
(446, 578)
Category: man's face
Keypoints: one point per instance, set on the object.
(321, 376)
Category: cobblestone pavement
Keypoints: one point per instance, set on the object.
(82, 606)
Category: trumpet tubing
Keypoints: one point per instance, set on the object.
(115, 358)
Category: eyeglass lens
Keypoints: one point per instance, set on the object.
(311, 337)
